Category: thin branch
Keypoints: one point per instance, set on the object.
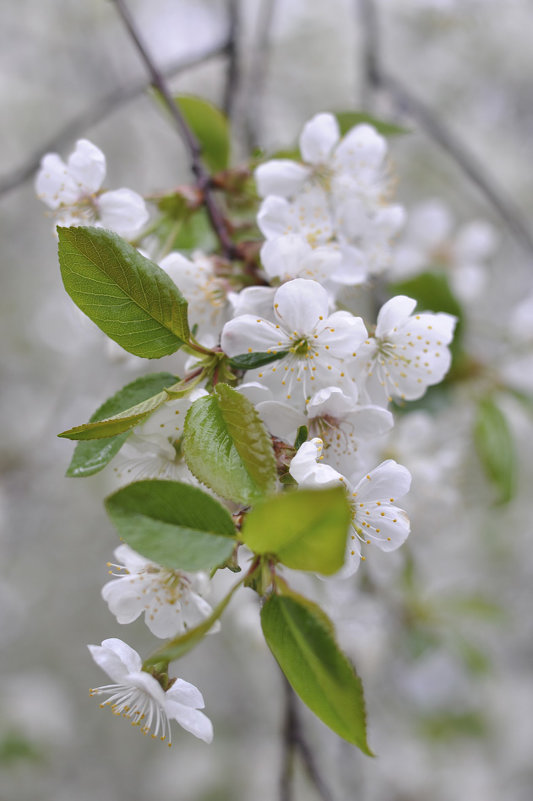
(97, 112)
(379, 79)
(258, 71)
(233, 75)
(202, 176)
(294, 740)
(370, 50)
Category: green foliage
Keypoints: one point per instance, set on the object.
(495, 447)
(129, 297)
(227, 447)
(176, 525)
(305, 529)
(249, 361)
(14, 747)
(91, 456)
(210, 127)
(347, 120)
(179, 646)
(320, 673)
(448, 725)
(120, 423)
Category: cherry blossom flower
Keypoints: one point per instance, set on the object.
(140, 698)
(376, 520)
(407, 353)
(72, 190)
(171, 600)
(318, 344)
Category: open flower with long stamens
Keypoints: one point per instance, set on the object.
(376, 520)
(407, 353)
(171, 600)
(318, 344)
(137, 695)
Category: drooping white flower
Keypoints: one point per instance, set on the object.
(407, 353)
(72, 190)
(139, 697)
(171, 600)
(205, 292)
(318, 344)
(376, 520)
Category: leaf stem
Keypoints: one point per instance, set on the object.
(203, 178)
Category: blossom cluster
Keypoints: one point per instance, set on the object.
(326, 370)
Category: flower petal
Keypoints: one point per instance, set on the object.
(116, 657)
(281, 177)
(192, 720)
(123, 211)
(87, 166)
(318, 138)
(300, 304)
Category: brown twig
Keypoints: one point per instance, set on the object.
(203, 178)
(233, 58)
(258, 72)
(378, 78)
(294, 740)
(97, 112)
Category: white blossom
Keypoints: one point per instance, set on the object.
(407, 353)
(72, 190)
(171, 600)
(318, 344)
(376, 520)
(140, 698)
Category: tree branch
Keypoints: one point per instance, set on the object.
(378, 78)
(95, 113)
(203, 178)
(233, 64)
(258, 71)
(294, 740)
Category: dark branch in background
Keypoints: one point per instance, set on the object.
(203, 178)
(370, 47)
(258, 71)
(293, 741)
(379, 79)
(232, 51)
(99, 111)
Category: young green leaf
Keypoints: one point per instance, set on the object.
(347, 120)
(306, 529)
(249, 361)
(320, 673)
(175, 525)
(92, 456)
(119, 423)
(495, 447)
(210, 127)
(129, 297)
(185, 642)
(226, 446)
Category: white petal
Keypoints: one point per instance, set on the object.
(116, 657)
(430, 225)
(53, 184)
(185, 693)
(191, 720)
(281, 177)
(280, 419)
(318, 138)
(284, 256)
(123, 211)
(330, 401)
(370, 421)
(393, 314)
(249, 334)
(300, 304)
(256, 300)
(86, 165)
(386, 482)
(305, 469)
(274, 216)
(122, 597)
(362, 149)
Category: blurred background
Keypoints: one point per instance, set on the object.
(441, 631)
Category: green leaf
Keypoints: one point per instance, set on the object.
(495, 447)
(129, 297)
(175, 525)
(301, 437)
(347, 120)
(226, 446)
(210, 127)
(119, 423)
(306, 529)
(249, 361)
(90, 457)
(185, 642)
(320, 673)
